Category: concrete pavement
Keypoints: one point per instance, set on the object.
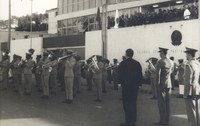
(19, 110)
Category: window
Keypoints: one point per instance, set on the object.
(92, 3)
(80, 4)
(86, 4)
(75, 5)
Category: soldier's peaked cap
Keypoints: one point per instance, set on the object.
(161, 49)
(190, 50)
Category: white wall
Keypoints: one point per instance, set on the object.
(52, 22)
(21, 47)
(145, 40)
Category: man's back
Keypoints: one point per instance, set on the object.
(130, 73)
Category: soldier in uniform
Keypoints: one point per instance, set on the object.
(180, 69)
(88, 74)
(38, 71)
(191, 90)
(152, 70)
(69, 77)
(45, 75)
(164, 68)
(17, 72)
(97, 78)
(5, 67)
(53, 74)
(77, 75)
(174, 72)
(130, 77)
(115, 74)
(28, 66)
(105, 75)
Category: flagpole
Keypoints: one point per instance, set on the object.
(104, 29)
(9, 25)
(31, 27)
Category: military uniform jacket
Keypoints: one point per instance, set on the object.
(54, 70)
(181, 73)
(69, 65)
(104, 71)
(115, 70)
(38, 69)
(98, 73)
(191, 77)
(16, 67)
(45, 70)
(29, 66)
(152, 70)
(77, 68)
(5, 64)
(164, 68)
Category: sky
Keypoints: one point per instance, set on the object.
(23, 7)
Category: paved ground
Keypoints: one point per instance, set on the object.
(19, 110)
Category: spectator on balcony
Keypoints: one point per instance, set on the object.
(187, 12)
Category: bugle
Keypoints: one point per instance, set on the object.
(67, 56)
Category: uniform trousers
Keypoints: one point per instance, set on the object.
(45, 84)
(164, 104)
(115, 81)
(28, 83)
(104, 82)
(77, 84)
(69, 87)
(16, 78)
(98, 85)
(153, 86)
(5, 80)
(52, 82)
(89, 82)
(191, 111)
(38, 81)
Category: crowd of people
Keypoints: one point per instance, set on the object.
(161, 16)
(64, 67)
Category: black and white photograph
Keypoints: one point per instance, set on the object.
(99, 63)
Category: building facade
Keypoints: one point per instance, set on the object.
(77, 16)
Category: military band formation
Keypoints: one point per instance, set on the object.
(68, 70)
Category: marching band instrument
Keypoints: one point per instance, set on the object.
(49, 64)
(93, 65)
(67, 56)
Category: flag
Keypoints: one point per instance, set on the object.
(98, 17)
(116, 19)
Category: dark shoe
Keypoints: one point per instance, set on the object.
(53, 92)
(39, 90)
(78, 92)
(66, 101)
(162, 124)
(153, 98)
(89, 89)
(44, 97)
(104, 91)
(127, 124)
(97, 100)
(27, 93)
(15, 90)
(70, 101)
(180, 96)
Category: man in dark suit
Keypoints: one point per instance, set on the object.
(130, 77)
